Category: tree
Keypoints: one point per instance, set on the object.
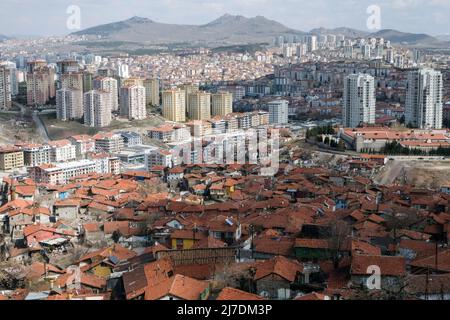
(116, 236)
(340, 232)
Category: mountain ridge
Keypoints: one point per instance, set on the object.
(233, 29)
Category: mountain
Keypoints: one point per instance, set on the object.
(347, 32)
(443, 37)
(228, 29)
(395, 36)
(2, 37)
(232, 30)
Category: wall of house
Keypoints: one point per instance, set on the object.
(275, 286)
(187, 243)
(68, 213)
(309, 253)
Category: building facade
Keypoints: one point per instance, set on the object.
(359, 100)
(199, 106)
(278, 111)
(424, 106)
(132, 102)
(69, 104)
(97, 109)
(174, 105)
(221, 104)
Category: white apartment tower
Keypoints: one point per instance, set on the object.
(97, 108)
(278, 111)
(174, 105)
(199, 106)
(424, 99)
(359, 100)
(108, 84)
(69, 104)
(5, 88)
(221, 103)
(132, 102)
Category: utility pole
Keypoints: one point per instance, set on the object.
(436, 257)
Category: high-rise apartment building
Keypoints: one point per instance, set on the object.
(424, 106)
(72, 81)
(69, 104)
(359, 100)
(97, 108)
(152, 91)
(40, 83)
(199, 106)
(132, 102)
(278, 111)
(5, 88)
(174, 105)
(109, 85)
(221, 103)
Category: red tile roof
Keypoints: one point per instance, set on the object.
(229, 293)
(389, 265)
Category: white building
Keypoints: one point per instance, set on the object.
(61, 173)
(108, 142)
(132, 102)
(36, 154)
(424, 106)
(311, 42)
(359, 100)
(83, 144)
(62, 150)
(109, 85)
(97, 108)
(158, 157)
(69, 104)
(123, 71)
(278, 111)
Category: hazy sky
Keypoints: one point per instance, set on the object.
(46, 17)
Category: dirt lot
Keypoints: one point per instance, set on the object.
(61, 130)
(14, 128)
(423, 174)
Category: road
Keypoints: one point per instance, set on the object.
(40, 127)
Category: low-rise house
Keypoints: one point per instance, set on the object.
(311, 249)
(24, 192)
(429, 287)
(391, 270)
(226, 229)
(229, 293)
(103, 261)
(67, 209)
(87, 282)
(178, 287)
(275, 277)
(185, 238)
(18, 220)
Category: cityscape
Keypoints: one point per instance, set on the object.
(236, 159)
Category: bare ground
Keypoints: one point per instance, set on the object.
(423, 174)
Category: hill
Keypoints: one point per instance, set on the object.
(226, 30)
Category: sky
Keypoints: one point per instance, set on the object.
(49, 17)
